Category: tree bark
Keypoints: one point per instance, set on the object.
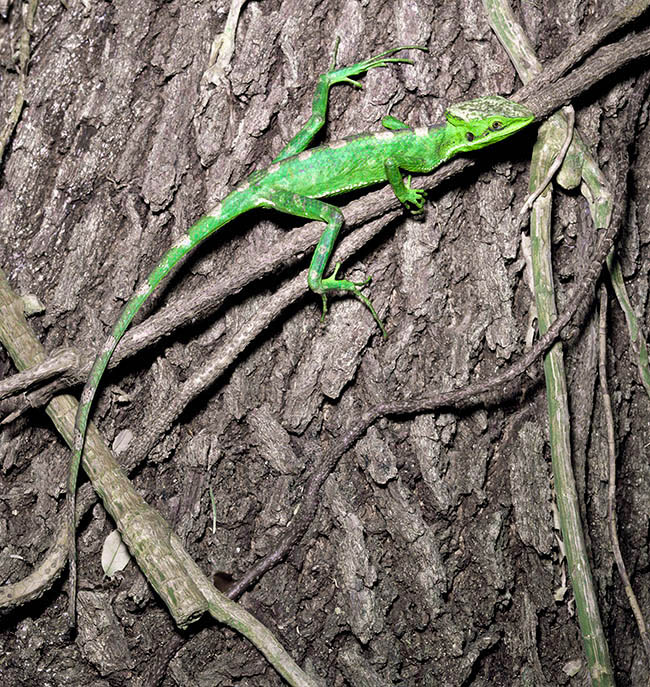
(432, 558)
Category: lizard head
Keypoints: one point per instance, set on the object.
(480, 122)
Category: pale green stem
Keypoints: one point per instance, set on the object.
(566, 495)
(515, 41)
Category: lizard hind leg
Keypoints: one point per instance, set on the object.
(312, 208)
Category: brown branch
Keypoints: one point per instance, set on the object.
(587, 42)
(183, 587)
(603, 63)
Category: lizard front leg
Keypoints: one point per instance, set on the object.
(408, 196)
(325, 81)
(312, 208)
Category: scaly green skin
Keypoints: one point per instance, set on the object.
(294, 182)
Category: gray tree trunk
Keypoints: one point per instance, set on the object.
(433, 558)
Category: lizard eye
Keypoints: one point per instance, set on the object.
(496, 126)
(470, 136)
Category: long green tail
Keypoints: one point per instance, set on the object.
(232, 206)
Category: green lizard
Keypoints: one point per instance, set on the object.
(293, 184)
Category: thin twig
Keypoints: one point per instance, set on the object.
(611, 485)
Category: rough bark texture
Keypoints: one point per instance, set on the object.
(433, 559)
